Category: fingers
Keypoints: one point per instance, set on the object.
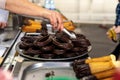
(60, 22)
(111, 34)
(117, 29)
(56, 20)
(108, 35)
(5, 75)
(53, 19)
(3, 25)
(113, 27)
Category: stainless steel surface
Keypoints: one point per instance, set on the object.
(7, 37)
(44, 59)
(14, 21)
(7, 40)
(37, 70)
(10, 53)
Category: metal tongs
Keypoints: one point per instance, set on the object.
(72, 35)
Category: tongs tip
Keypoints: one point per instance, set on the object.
(72, 35)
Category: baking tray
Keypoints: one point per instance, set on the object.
(37, 71)
(44, 59)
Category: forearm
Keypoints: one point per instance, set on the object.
(27, 8)
(24, 7)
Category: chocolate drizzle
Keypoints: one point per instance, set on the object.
(82, 70)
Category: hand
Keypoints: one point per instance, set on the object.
(5, 75)
(117, 29)
(3, 24)
(112, 34)
(55, 19)
(109, 35)
(116, 75)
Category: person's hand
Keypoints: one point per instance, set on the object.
(108, 32)
(116, 75)
(55, 18)
(3, 24)
(117, 29)
(112, 34)
(5, 75)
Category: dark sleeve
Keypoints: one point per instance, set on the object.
(117, 22)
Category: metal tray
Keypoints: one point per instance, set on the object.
(37, 71)
(44, 59)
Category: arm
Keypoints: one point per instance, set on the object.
(27, 8)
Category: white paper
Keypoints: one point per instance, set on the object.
(4, 15)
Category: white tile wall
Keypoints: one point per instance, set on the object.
(83, 6)
(110, 5)
(87, 10)
(97, 6)
(69, 6)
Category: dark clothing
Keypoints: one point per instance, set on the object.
(116, 51)
(117, 21)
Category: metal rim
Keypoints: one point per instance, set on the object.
(48, 65)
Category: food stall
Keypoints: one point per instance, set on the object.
(54, 56)
(36, 51)
(43, 47)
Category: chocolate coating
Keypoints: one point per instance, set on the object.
(90, 77)
(82, 70)
(57, 45)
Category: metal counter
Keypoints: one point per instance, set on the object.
(12, 59)
(37, 70)
(18, 67)
(10, 52)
